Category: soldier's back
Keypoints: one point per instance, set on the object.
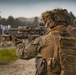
(68, 55)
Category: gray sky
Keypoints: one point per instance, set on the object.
(32, 8)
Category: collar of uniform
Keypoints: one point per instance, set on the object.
(59, 28)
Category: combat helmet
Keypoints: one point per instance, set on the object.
(56, 17)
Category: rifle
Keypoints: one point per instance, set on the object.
(25, 33)
(28, 32)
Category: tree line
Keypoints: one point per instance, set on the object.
(15, 22)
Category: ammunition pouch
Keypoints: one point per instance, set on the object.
(41, 66)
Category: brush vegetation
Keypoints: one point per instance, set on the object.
(7, 56)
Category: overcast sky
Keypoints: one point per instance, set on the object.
(32, 8)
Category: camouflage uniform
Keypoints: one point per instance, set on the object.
(45, 47)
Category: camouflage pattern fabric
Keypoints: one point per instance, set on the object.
(43, 45)
(31, 50)
(68, 55)
(57, 20)
(58, 17)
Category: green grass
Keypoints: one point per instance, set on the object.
(7, 56)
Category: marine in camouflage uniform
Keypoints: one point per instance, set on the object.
(45, 49)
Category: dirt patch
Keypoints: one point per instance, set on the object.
(19, 67)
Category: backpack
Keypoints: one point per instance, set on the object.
(67, 53)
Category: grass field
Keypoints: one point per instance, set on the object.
(7, 56)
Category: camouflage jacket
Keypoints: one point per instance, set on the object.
(44, 44)
(31, 50)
